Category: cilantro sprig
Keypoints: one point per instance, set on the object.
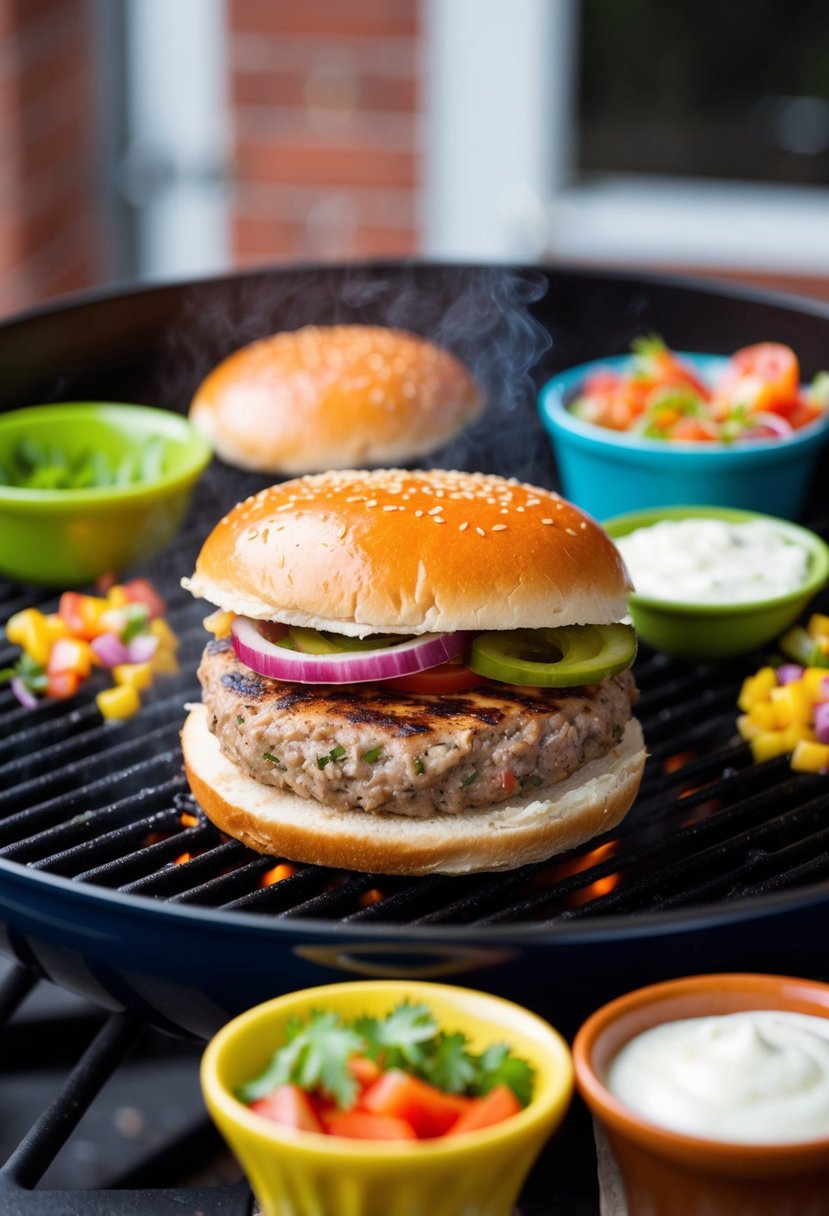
(316, 1056)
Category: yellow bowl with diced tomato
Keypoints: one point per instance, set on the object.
(306, 1172)
(659, 428)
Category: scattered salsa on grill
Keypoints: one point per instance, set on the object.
(398, 1077)
(758, 395)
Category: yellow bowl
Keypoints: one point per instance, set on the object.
(296, 1173)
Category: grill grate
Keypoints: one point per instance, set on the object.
(108, 805)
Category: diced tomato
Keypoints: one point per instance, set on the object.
(81, 613)
(429, 1110)
(773, 363)
(693, 428)
(62, 684)
(364, 1071)
(290, 1106)
(69, 662)
(499, 1104)
(447, 677)
(363, 1125)
(507, 780)
(141, 591)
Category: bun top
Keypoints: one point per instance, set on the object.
(393, 551)
(331, 397)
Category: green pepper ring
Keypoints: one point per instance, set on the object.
(578, 654)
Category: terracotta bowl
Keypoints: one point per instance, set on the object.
(667, 1173)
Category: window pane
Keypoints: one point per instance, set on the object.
(733, 89)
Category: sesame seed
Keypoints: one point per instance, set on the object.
(418, 513)
(464, 526)
(571, 531)
(372, 502)
(480, 531)
(286, 506)
(438, 520)
(519, 509)
(356, 498)
(583, 525)
(533, 502)
(390, 507)
(548, 521)
(435, 511)
(499, 527)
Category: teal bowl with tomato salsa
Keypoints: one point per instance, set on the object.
(608, 472)
(87, 487)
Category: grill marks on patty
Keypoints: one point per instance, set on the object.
(362, 746)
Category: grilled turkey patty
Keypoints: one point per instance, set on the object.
(364, 747)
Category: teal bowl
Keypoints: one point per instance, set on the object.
(607, 472)
(715, 631)
(57, 537)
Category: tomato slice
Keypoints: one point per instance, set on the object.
(762, 377)
(447, 677)
(290, 1106)
(429, 1110)
(499, 1104)
(363, 1125)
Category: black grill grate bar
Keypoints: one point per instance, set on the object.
(109, 744)
(286, 894)
(415, 899)
(85, 801)
(99, 841)
(666, 885)
(687, 844)
(158, 874)
(228, 871)
(339, 896)
(123, 867)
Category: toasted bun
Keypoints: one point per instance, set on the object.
(501, 837)
(392, 551)
(331, 397)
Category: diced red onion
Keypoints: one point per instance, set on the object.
(821, 721)
(348, 666)
(110, 649)
(24, 695)
(142, 647)
(765, 425)
(788, 672)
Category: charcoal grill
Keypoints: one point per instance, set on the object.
(113, 885)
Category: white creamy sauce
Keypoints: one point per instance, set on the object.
(754, 1077)
(709, 561)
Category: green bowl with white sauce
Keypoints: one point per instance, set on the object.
(760, 584)
(88, 487)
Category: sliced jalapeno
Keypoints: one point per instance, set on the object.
(318, 641)
(554, 658)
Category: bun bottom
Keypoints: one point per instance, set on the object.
(500, 837)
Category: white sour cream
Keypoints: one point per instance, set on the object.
(709, 561)
(756, 1077)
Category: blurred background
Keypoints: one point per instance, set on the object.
(157, 139)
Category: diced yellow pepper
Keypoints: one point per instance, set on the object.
(119, 702)
(768, 744)
(812, 679)
(810, 757)
(164, 662)
(218, 623)
(167, 638)
(792, 703)
(817, 626)
(56, 627)
(28, 630)
(757, 688)
(748, 728)
(764, 715)
(117, 596)
(136, 675)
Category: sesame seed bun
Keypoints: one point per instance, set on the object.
(501, 837)
(331, 397)
(396, 551)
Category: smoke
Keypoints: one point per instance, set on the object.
(483, 314)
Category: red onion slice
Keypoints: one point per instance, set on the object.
(350, 666)
(110, 649)
(142, 647)
(765, 425)
(24, 695)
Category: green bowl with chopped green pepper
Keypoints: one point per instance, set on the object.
(88, 488)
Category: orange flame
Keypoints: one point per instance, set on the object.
(372, 896)
(182, 857)
(189, 821)
(283, 870)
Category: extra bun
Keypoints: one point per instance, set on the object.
(332, 397)
(501, 837)
(392, 551)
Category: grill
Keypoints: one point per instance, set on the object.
(115, 886)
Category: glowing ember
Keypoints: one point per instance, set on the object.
(182, 857)
(189, 821)
(283, 870)
(372, 896)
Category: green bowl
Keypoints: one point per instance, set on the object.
(714, 631)
(54, 537)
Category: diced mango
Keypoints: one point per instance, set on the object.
(28, 629)
(166, 637)
(218, 623)
(137, 675)
(810, 757)
(748, 728)
(768, 744)
(117, 596)
(812, 679)
(792, 704)
(817, 626)
(757, 688)
(119, 702)
(164, 662)
(764, 715)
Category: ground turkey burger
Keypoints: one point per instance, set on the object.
(421, 671)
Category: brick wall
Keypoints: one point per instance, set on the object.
(325, 120)
(49, 237)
